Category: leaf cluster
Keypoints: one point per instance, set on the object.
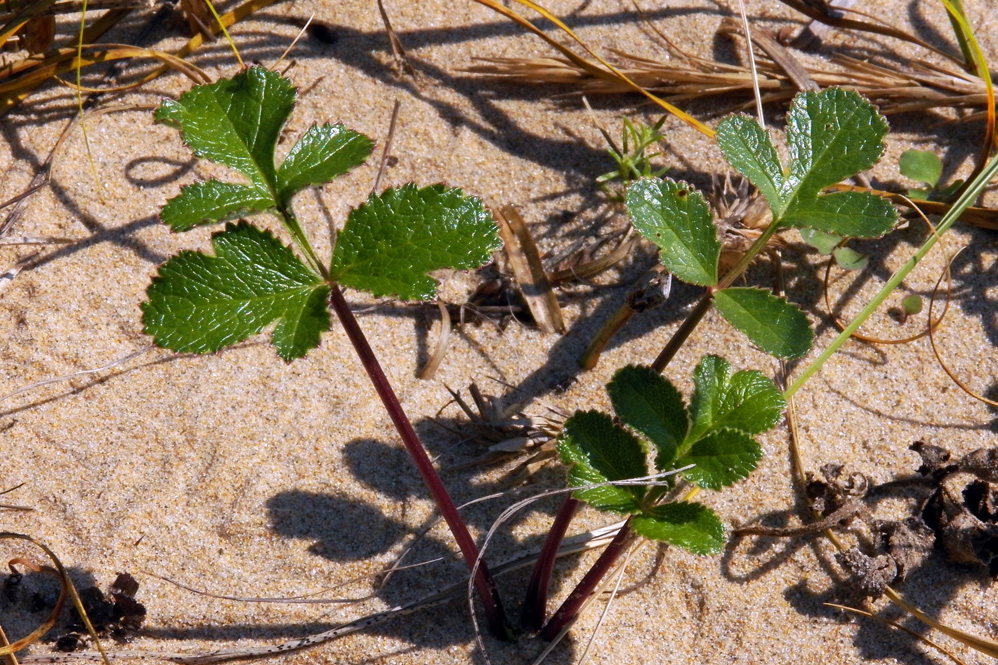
(831, 135)
(200, 303)
(713, 437)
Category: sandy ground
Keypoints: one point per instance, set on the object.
(241, 475)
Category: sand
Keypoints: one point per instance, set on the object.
(241, 475)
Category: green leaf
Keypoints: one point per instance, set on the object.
(321, 154)
(599, 452)
(235, 121)
(648, 403)
(850, 259)
(675, 217)
(746, 401)
(831, 135)
(749, 149)
(911, 305)
(212, 201)
(392, 241)
(922, 166)
(200, 304)
(722, 458)
(853, 214)
(692, 526)
(773, 324)
(821, 241)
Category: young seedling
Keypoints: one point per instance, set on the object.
(711, 441)
(632, 157)
(199, 303)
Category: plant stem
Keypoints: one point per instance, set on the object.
(569, 610)
(685, 330)
(536, 599)
(968, 197)
(702, 307)
(298, 234)
(486, 587)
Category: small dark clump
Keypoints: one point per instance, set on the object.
(115, 614)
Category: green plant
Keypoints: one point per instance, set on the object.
(201, 303)
(710, 443)
(632, 157)
(831, 135)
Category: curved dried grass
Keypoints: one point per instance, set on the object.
(66, 588)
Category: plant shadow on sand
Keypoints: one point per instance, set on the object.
(343, 528)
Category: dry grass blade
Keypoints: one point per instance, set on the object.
(919, 86)
(932, 339)
(820, 12)
(529, 272)
(784, 59)
(24, 76)
(20, 18)
(398, 51)
(8, 276)
(9, 659)
(604, 70)
(21, 78)
(443, 341)
(583, 543)
(67, 377)
(87, 35)
(65, 588)
(895, 624)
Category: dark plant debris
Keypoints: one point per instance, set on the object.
(958, 515)
(115, 614)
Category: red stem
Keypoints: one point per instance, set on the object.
(536, 600)
(486, 587)
(569, 610)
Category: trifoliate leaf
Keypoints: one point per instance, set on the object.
(921, 165)
(200, 304)
(675, 217)
(692, 526)
(237, 122)
(321, 154)
(721, 458)
(392, 241)
(773, 324)
(600, 451)
(648, 403)
(746, 401)
(831, 135)
(212, 201)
